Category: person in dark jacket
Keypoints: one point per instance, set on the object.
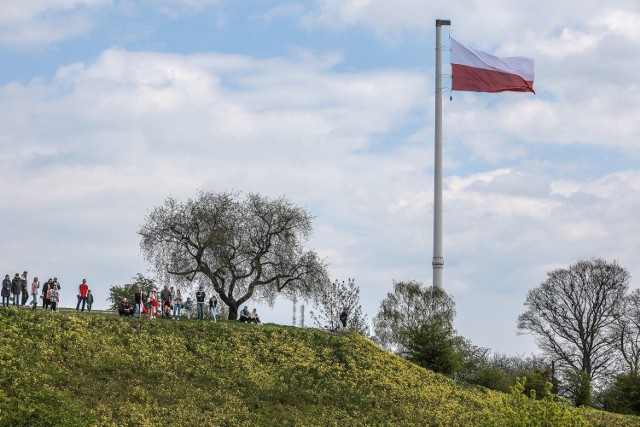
(45, 293)
(200, 296)
(165, 297)
(24, 287)
(6, 291)
(16, 288)
(343, 318)
(125, 309)
(245, 315)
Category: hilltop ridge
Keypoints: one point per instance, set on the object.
(99, 369)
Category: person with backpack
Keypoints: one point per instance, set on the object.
(6, 290)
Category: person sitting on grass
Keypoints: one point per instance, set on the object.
(125, 309)
(255, 318)
(245, 316)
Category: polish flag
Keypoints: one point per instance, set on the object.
(477, 71)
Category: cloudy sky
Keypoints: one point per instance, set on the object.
(107, 107)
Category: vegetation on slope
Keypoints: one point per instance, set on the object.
(97, 369)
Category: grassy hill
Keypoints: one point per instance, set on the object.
(98, 369)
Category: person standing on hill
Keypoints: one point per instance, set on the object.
(54, 297)
(165, 297)
(138, 301)
(89, 300)
(213, 308)
(187, 307)
(24, 285)
(343, 318)
(177, 304)
(200, 296)
(83, 289)
(153, 304)
(45, 293)
(6, 291)
(16, 287)
(35, 288)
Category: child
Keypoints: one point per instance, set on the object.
(54, 296)
(213, 308)
(153, 304)
(89, 300)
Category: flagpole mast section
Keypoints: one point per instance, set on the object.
(438, 258)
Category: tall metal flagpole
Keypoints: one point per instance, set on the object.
(438, 259)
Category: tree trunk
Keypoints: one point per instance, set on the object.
(233, 312)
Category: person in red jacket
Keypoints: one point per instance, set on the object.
(83, 290)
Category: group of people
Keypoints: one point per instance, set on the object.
(252, 317)
(169, 303)
(16, 292)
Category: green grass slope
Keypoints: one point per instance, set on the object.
(98, 369)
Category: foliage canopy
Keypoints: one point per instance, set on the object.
(240, 248)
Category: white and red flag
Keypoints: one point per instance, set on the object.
(477, 71)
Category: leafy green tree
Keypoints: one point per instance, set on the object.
(239, 248)
(622, 395)
(432, 345)
(409, 306)
(577, 386)
(128, 290)
(329, 301)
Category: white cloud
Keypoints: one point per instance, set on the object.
(42, 23)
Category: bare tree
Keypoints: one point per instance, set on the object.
(331, 298)
(572, 314)
(627, 333)
(410, 305)
(239, 248)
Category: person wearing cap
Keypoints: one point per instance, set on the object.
(200, 296)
